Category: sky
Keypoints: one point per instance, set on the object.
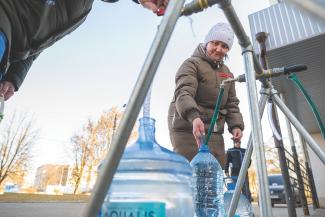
(95, 68)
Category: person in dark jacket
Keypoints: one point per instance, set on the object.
(27, 27)
(235, 157)
(198, 83)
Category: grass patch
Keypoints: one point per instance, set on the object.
(27, 197)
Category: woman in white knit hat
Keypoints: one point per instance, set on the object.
(197, 88)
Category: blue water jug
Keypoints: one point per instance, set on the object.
(244, 207)
(150, 181)
(208, 184)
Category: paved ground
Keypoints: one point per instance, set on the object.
(281, 211)
(75, 210)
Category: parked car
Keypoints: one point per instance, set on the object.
(277, 191)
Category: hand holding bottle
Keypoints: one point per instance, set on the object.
(198, 130)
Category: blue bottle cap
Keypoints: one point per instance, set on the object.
(231, 186)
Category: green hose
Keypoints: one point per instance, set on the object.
(312, 105)
(215, 114)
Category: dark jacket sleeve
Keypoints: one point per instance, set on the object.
(17, 71)
(234, 118)
(228, 162)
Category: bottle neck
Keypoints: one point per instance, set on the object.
(147, 133)
(203, 145)
(204, 148)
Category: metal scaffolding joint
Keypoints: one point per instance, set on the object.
(247, 49)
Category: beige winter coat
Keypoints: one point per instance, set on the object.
(197, 88)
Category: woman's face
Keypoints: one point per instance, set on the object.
(217, 50)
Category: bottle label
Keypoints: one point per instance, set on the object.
(133, 209)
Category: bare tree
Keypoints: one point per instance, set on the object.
(90, 146)
(16, 141)
(82, 153)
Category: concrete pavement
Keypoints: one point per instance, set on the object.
(66, 209)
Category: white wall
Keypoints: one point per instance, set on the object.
(318, 169)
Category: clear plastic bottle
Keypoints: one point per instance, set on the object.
(208, 184)
(150, 181)
(244, 207)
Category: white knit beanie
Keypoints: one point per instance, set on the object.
(220, 32)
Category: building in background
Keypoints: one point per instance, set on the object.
(297, 37)
(51, 175)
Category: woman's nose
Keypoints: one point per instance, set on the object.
(218, 48)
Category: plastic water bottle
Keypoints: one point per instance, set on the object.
(208, 184)
(150, 181)
(244, 207)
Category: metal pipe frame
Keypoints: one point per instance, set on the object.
(252, 62)
(136, 100)
(141, 88)
(257, 135)
(247, 157)
(310, 141)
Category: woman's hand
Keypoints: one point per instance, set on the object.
(198, 130)
(7, 89)
(154, 5)
(237, 134)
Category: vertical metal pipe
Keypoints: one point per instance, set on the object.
(136, 100)
(311, 142)
(261, 39)
(246, 160)
(283, 165)
(264, 193)
(309, 173)
(297, 168)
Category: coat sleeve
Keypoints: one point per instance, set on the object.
(233, 118)
(17, 71)
(186, 86)
(228, 162)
